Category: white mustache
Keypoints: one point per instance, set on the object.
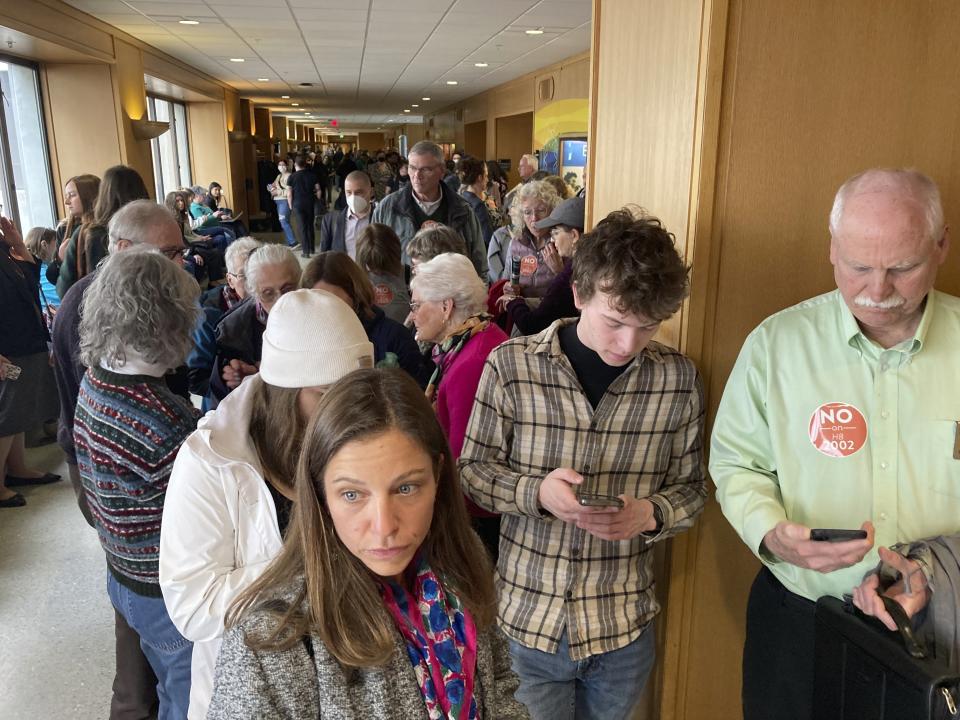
(894, 301)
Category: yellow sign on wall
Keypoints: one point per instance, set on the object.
(559, 118)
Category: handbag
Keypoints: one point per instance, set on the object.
(863, 671)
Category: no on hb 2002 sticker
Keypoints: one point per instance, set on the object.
(838, 429)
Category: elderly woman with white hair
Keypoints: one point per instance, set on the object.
(270, 272)
(448, 309)
(214, 303)
(232, 488)
(138, 315)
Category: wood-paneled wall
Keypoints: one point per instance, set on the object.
(738, 122)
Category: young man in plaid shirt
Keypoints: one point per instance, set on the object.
(588, 409)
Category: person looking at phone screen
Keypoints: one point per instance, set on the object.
(837, 415)
(590, 406)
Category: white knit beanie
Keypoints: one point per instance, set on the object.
(312, 338)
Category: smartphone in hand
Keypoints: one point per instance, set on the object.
(593, 500)
(835, 535)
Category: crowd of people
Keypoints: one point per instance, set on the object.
(433, 459)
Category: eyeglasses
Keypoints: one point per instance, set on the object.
(271, 295)
(414, 306)
(425, 170)
(173, 252)
(238, 276)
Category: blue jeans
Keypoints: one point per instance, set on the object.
(283, 212)
(601, 687)
(217, 234)
(167, 651)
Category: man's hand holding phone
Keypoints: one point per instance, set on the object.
(791, 542)
(558, 496)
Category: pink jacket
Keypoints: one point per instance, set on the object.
(458, 386)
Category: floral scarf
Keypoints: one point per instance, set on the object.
(441, 643)
(445, 351)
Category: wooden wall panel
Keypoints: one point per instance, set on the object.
(83, 119)
(370, 141)
(740, 119)
(514, 137)
(644, 120)
(475, 139)
(209, 158)
(131, 104)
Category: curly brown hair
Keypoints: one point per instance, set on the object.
(630, 256)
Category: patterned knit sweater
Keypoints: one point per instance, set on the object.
(127, 430)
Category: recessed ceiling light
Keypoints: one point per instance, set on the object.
(412, 105)
(284, 97)
(451, 82)
(189, 22)
(480, 64)
(534, 32)
(237, 59)
(295, 104)
(424, 99)
(263, 79)
(407, 110)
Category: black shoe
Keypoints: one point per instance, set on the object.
(14, 481)
(15, 500)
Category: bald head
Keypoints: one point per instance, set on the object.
(903, 185)
(887, 240)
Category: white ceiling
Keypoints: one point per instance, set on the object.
(367, 60)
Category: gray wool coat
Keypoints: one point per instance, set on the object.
(291, 684)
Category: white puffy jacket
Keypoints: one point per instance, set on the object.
(218, 534)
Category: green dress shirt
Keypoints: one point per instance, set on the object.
(821, 426)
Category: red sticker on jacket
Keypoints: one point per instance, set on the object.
(838, 429)
(382, 294)
(528, 265)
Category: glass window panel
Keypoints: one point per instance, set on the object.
(171, 156)
(24, 148)
(183, 148)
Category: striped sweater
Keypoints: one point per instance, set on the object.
(127, 430)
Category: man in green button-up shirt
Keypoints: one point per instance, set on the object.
(841, 413)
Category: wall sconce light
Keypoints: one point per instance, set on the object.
(237, 135)
(144, 129)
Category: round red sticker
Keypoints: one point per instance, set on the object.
(382, 294)
(528, 265)
(838, 429)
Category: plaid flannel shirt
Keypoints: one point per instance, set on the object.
(645, 439)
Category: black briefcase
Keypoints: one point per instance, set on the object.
(865, 672)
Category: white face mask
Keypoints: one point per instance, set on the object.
(357, 203)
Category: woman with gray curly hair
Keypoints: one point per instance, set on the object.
(137, 317)
(530, 245)
(448, 309)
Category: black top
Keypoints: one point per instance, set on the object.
(556, 303)
(303, 183)
(22, 330)
(439, 214)
(594, 374)
(283, 504)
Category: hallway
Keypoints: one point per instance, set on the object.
(56, 622)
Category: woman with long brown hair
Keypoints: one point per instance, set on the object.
(381, 604)
(393, 344)
(79, 199)
(120, 185)
(231, 490)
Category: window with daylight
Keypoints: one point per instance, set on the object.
(26, 190)
(171, 152)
